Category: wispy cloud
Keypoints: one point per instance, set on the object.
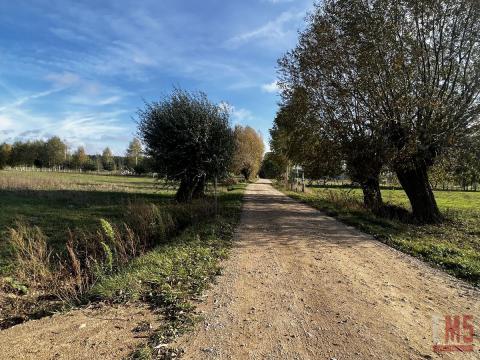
(20, 101)
(274, 30)
(67, 34)
(239, 115)
(77, 128)
(277, 1)
(63, 79)
(89, 65)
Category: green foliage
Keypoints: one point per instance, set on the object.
(5, 153)
(55, 152)
(134, 153)
(189, 138)
(107, 230)
(107, 160)
(273, 166)
(16, 285)
(389, 83)
(80, 158)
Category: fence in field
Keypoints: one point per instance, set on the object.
(60, 169)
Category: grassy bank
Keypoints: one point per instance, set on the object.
(172, 274)
(453, 245)
(68, 241)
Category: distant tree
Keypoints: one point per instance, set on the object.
(28, 154)
(323, 160)
(134, 152)
(248, 154)
(273, 166)
(55, 152)
(188, 138)
(79, 158)
(466, 162)
(107, 159)
(91, 164)
(303, 139)
(5, 153)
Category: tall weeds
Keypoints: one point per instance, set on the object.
(31, 253)
(67, 276)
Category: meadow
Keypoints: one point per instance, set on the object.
(69, 239)
(56, 202)
(453, 245)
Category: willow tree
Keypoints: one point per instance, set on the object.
(325, 66)
(189, 139)
(434, 47)
(395, 81)
(248, 154)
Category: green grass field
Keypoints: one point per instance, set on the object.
(56, 202)
(446, 200)
(453, 245)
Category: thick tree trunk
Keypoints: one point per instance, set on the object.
(199, 190)
(185, 191)
(414, 181)
(372, 196)
(246, 174)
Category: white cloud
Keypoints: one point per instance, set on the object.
(239, 115)
(271, 87)
(5, 122)
(66, 34)
(63, 79)
(22, 100)
(273, 30)
(94, 101)
(75, 128)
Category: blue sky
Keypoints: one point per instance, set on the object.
(81, 69)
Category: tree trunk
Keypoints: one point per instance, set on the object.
(185, 191)
(372, 196)
(199, 190)
(414, 181)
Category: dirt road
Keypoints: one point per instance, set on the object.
(300, 285)
(102, 333)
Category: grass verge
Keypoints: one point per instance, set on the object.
(453, 246)
(172, 274)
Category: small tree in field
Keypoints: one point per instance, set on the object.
(107, 159)
(54, 152)
(248, 154)
(79, 158)
(134, 152)
(189, 140)
(5, 153)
